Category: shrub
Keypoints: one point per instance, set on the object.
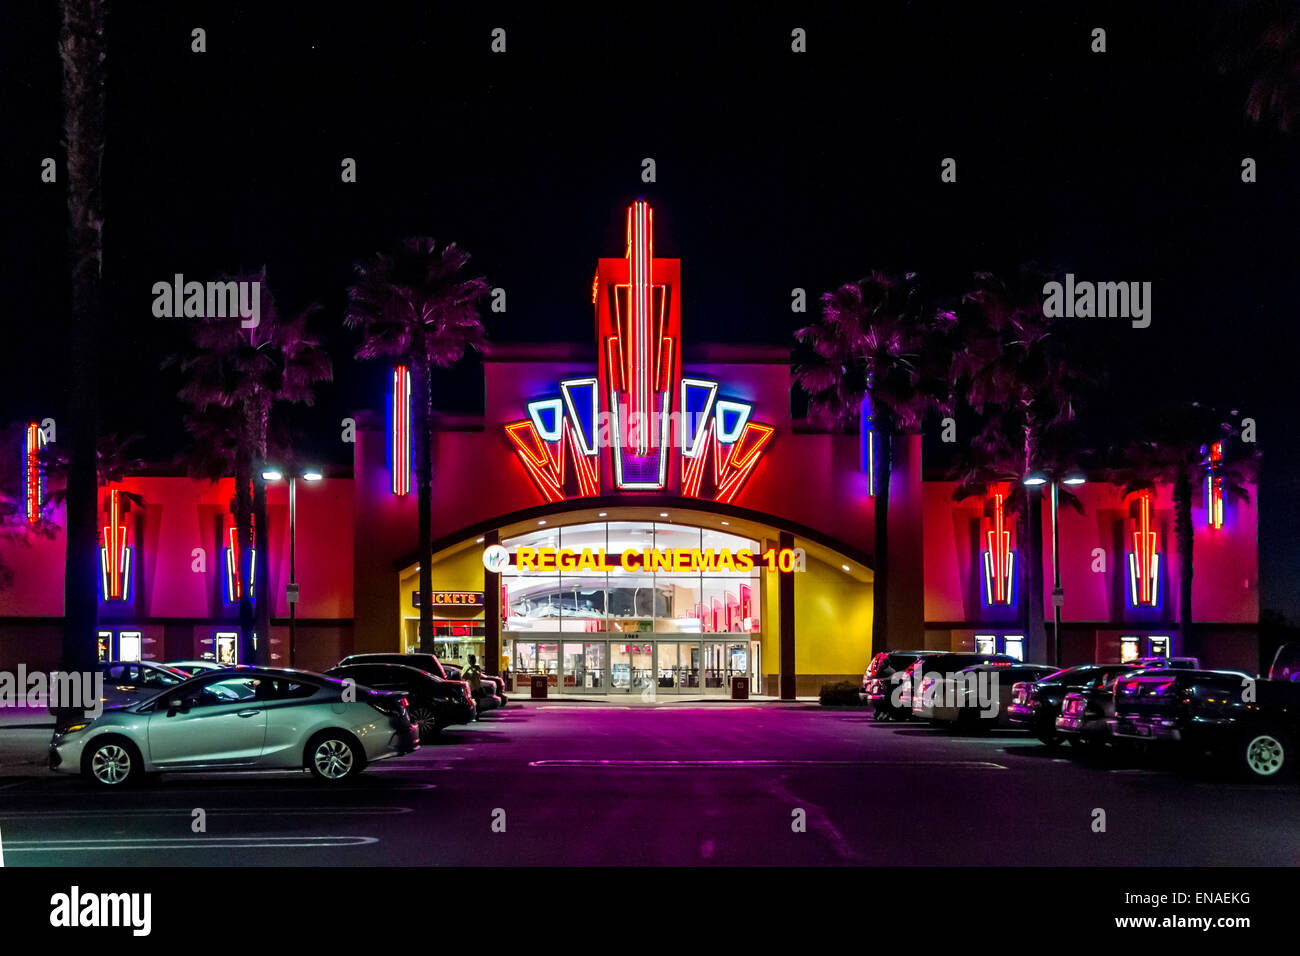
(841, 694)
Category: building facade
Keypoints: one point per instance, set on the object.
(640, 514)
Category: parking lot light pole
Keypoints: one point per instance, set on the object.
(291, 589)
(1037, 479)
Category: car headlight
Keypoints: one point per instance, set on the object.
(73, 728)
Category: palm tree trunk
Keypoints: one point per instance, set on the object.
(81, 45)
(1184, 533)
(422, 430)
(880, 587)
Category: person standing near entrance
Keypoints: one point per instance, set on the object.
(473, 674)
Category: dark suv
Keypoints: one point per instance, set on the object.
(491, 690)
(1249, 722)
(433, 703)
(876, 686)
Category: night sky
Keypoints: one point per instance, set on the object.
(774, 171)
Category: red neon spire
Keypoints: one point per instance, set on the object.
(1144, 546)
(999, 540)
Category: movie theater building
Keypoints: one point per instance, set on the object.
(637, 513)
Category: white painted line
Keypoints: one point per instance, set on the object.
(203, 843)
(727, 764)
(185, 812)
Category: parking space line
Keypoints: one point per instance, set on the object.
(725, 764)
(203, 843)
(186, 811)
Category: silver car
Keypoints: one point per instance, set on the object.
(254, 718)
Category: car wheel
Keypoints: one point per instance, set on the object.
(1051, 741)
(113, 762)
(426, 719)
(333, 757)
(1265, 754)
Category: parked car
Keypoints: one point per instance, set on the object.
(430, 663)
(1286, 663)
(966, 698)
(196, 667)
(1250, 723)
(434, 703)
(1182, 663)
(257, 718)
(931, 668)
(876, 687)
(1086, 713)
(490, 694)
(128, 682)
(1036, 705)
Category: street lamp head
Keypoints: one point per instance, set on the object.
(1075, 479)
(311, 476)
(271, 474)
(1034, 479)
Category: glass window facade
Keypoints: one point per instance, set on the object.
(632, 601)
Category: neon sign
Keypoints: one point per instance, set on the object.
(661, 560)
(114, 554)
(638, 403)
(33, 477)
(1214, 502)
(399, 430)
(866, 422)
(999, 559)
(234, 575)
(1144, 559)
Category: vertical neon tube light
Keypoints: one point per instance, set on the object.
(640, 223)
(400, 438)
(33, 480)
(1214, 509)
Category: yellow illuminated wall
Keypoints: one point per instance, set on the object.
(832, 622)
(456, 569)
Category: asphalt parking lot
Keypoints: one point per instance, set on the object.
(583, 784)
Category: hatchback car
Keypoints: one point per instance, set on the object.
(253, 719)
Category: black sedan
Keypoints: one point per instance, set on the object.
(434, 703)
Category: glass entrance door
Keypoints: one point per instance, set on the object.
(678, 667)
(631, 667)
(583, 668)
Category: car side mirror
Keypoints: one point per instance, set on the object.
(181, 706)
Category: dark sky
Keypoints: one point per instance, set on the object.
(774, 171)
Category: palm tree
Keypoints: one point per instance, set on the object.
(82, 50)
(1263, 42)
(413, 307)
(874, 343)
(235, 377)
(1014, 369)
(1174, 453)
